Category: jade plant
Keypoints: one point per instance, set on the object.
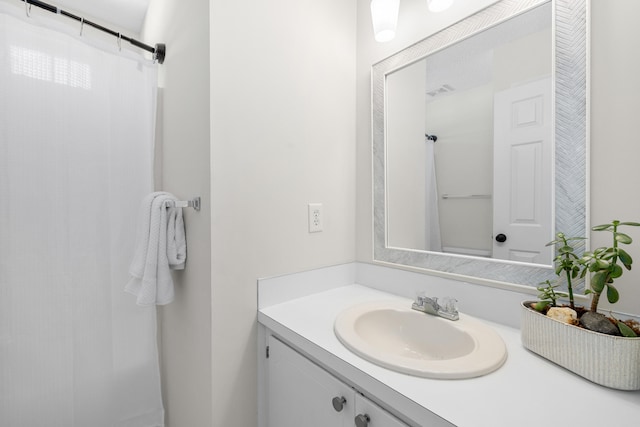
(567, 261)
(606, 263)
(548, 295)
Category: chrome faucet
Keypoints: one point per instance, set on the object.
(447, 309)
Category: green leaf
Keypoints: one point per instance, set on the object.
(600, 227)
(574, 272)
(625, 330)
(625, 258)
(601, 264)
(612, 294)
(541, 305)
(633, 224)
(586, 259)
(622, 238)
(565, 249)
(598, 281)
(616, 272)
(553, 242)
(595, 254)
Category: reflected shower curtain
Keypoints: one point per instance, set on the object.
(76, 142)
(432, 227)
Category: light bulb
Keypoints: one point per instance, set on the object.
(439, 5)
(384, 15)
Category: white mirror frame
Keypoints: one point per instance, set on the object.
(571, 140)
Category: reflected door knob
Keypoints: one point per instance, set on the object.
(338, 403)
(362, 420)
(501, 238)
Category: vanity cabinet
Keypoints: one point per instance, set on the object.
(300, 393)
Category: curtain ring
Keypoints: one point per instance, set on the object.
(81, 25)
(119, 41)
(27, 8)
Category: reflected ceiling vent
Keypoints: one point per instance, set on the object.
(441, 90)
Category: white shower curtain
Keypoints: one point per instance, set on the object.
(76, 142)
(432, 227)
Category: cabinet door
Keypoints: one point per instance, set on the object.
(374, 415)
(300, 393)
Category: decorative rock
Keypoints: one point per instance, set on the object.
(598, 323)
(563, 314)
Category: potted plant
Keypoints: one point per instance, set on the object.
(600, 348)
(567, 261)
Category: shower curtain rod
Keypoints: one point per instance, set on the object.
(159, 51)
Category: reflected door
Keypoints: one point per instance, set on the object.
(522, 181)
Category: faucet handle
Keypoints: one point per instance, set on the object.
(449, 304)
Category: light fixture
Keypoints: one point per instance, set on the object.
(384, 14)
(439, 5)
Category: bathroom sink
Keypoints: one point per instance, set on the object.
(392, 335)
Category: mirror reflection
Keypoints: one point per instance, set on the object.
(468, 179)
(469, 145)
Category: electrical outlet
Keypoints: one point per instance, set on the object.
(315, 217)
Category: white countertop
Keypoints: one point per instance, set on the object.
(526, 391)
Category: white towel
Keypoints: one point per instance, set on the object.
(160, 246)
(176, 241)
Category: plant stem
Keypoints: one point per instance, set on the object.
(594, 302)
(570, 288)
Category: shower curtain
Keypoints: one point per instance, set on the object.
(76, 143)
(432, 227)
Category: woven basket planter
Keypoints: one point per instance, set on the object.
(611, 361)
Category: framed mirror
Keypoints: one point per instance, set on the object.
(480, 143)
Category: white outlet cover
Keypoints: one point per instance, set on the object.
(315, 217)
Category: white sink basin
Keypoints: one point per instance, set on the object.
(391, 334)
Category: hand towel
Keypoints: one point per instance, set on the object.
(176, 240)
(160, 246)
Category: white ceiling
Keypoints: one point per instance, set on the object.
(125, 14)
(449, 67)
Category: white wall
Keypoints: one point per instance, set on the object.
(615, 174)
(615, 151)
(282, 135)
(463, 122)
(271, 125)
(407, 158)
(185, 324)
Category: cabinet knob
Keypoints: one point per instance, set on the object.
(338, 403)
(362, 420)
(501, 238)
